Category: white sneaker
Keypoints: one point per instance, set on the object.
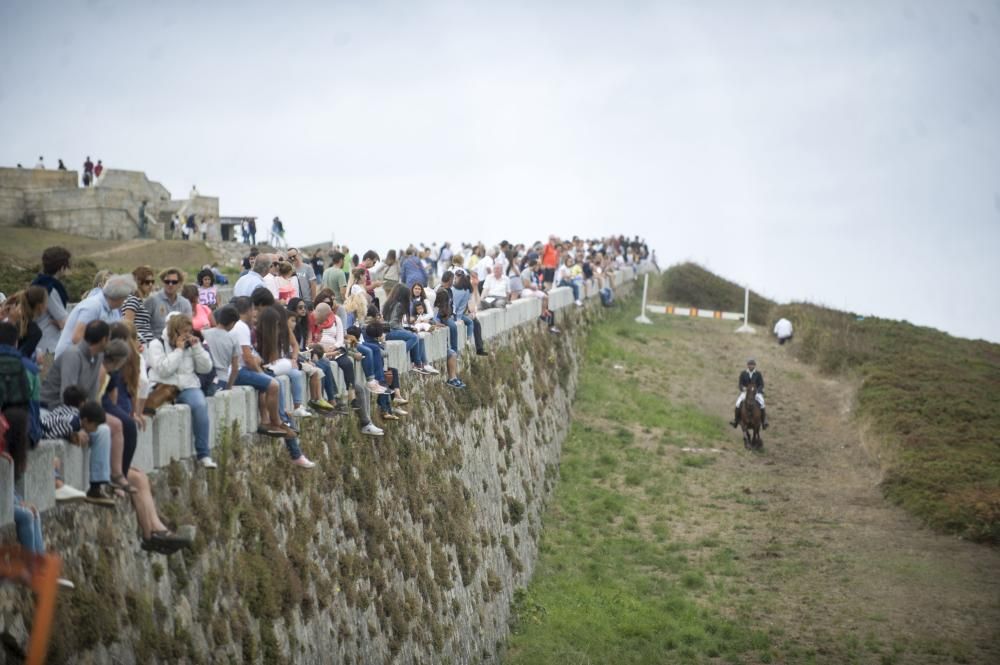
(302, 412)
(208, 463)
(376, 387)
(372, 430)
(68, 493)
(430, 369)
(65, 583)
(304, 462)
(579, 303)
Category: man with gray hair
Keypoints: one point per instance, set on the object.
(103, 305)
(166, 301)
(246, 284)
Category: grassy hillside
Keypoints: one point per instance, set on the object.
(21, 251)
(930, 399)
(692, 285)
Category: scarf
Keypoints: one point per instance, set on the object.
(50, 282)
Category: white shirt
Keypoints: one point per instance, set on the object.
(496, 288)
(271, 282)
(241, 333)
(783, 328)
(484, 267)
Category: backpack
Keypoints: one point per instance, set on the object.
(14, 387)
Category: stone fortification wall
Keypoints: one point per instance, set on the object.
(403, 549)
(110, 210)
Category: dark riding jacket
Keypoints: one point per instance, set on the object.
(757, 379)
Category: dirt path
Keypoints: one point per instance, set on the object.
(833, 569)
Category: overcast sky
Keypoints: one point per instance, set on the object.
(846, 153)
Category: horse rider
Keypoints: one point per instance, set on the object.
(748, 376)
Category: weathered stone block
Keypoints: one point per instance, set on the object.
(75, 462)
(172, 439)
(559, 297)
(143, 458)
(396, 355)
(37, 484)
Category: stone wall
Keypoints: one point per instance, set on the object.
(403, 549)
(110, 210)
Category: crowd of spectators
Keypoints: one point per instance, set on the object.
(92, 373)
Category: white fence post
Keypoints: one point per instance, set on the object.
(642, 318)
(745, 328)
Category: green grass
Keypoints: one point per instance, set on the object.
(690, 284)
(21, 253)
(610, 586)
(931, 400)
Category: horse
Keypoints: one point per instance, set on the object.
(750, 419)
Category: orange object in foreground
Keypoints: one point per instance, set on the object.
(41, 574)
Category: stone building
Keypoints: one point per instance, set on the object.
(51, 199)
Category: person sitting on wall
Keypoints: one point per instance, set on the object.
(81, 366)
(104, 305)
(496, 289)
(176, 360)
(251, 373)
(208, 294)
(222, 348)
(75, 420)
(167, 301)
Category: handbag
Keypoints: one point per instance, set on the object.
(162, 393)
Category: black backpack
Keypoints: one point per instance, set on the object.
(14, 388)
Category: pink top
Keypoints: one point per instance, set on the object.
(201, 317)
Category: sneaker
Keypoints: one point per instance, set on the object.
(481, 352)
(418, 369)
(371, 430)
(460, 382)
(389, 416)
(554, 330)
(455, 383)
(65, 583)
(399, 399)
(98, 497)
(208, 463)
(430, 369)
(66, 493)
(400, 412)
(320, 405)
(304, 462)
(302, 412)
(376, 387)
(579, 303)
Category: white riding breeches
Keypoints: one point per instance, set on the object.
(743, 396)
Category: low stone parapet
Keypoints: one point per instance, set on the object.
(168, 435)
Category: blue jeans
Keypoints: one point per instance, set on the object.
(414, 345)
(261, 382)
(368, 362)
(195, 400)
(469, 326)
(452, 333)
(100, 454)
(298, 381)
(292, 446)
(329, 385)
(29, 528)
(573, 285)
(377, 361)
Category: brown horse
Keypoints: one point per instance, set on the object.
(750, 420)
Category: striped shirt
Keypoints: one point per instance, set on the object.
(142, 329)
(60, 422)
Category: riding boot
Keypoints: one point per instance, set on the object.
(763, 417)
(736, 417)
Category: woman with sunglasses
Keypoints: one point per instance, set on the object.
(133, 310)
